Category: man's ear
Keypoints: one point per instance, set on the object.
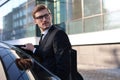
(34, 21)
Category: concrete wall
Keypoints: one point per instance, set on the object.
(99, 62)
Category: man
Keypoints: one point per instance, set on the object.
(53, 49)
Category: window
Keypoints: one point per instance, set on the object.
(93, 24)
(77, 9)
(91, 7)
(111, 5)
(112, 20)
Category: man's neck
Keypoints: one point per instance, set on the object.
(42, 31)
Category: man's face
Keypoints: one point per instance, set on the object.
(43, 19)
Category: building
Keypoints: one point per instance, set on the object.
(20, 22)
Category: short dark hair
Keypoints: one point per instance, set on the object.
(39, 7)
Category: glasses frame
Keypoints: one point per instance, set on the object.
(43, 16)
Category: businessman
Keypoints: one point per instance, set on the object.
(54, 45)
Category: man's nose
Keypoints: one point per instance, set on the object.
(44, 18)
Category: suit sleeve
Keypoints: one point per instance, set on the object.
(61, 47)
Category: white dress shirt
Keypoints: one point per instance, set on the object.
(44, 32)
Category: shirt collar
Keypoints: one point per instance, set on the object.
(46, 31)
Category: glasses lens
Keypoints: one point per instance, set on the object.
(43, 16)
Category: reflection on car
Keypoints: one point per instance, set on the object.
(9, 69)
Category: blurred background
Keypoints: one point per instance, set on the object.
(93, 27)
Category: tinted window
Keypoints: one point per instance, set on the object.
(8, 57)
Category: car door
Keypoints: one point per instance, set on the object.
(9, 69)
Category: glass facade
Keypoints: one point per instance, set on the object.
(91, 7)
(16, 20)
(74, 16)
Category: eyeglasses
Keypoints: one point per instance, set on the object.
(43, 16)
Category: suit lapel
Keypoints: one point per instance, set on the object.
(47, 35)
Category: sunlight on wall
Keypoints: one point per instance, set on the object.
(111, 5)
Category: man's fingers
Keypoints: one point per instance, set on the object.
(24, 64)
(24, 47)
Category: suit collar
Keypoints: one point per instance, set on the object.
(47, 35)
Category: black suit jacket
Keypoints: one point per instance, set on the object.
(53, 53)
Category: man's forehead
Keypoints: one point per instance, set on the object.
(42, 12)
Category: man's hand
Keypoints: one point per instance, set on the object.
(28, 46)
(23, 64)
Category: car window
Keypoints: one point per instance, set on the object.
(8, 68)
(9, 53)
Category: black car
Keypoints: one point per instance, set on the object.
(10, 71)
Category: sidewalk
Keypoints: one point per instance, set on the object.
(101, 74)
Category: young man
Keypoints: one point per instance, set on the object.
(53, 49)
